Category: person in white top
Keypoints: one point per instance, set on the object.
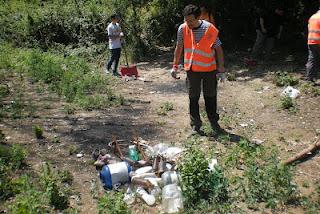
(114, 33)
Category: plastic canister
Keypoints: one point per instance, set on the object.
(172, 199)
(115, 173)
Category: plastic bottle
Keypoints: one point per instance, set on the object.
(149, 199)
(172, 199)
(170, 177)
(129, 196)
(133, 153)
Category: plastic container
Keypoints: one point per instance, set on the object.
(172, 199)
(112, 174)
(148, 198)
(133, 154)
(170, 177)
(129, 196)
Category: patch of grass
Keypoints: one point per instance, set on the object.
(69, 109)
(73, 150)
(198, 183)
(164, 108)
(4, 90)
(309, 88)
(269, 182)
(38, 131)
(112, 203)
(284, 79)
(71, 77)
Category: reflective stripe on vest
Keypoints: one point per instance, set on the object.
(199, 56)
(314, 29)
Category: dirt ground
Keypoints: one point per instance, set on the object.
(248, 107)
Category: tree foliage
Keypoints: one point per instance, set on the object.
(79, 23)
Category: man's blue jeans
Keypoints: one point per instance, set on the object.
(115, 57)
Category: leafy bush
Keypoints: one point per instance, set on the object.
(11, 159)
(198, 183)
(285, 79)
(112, 203)
(287, 103)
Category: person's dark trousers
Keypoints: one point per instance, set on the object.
(263, 42)
(313, 64)
(208, 81)
(115, 56)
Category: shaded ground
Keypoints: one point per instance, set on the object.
(248, 107)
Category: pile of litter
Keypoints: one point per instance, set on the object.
(148, 173)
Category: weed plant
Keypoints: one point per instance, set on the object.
(288, 103)
(112, 203)
(198, 182)
(38, 131)
(284, 79)
(164, 108)
(263, 179)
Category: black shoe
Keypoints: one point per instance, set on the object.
(116, 74)
(196, 131)
(217, 130)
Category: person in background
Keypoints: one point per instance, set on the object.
(313, 63)
(268, 27)
(207, 13)
(114, 33)
(197, 39)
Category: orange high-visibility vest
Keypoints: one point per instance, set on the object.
(199, 57)
(314, 29)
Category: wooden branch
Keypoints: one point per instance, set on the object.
(304, 153)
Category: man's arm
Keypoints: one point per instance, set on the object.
(177, 54)
(220, 59)
(280, 32)
(263, 29)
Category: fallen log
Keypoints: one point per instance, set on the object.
(304, 153)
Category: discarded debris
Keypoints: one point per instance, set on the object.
(290, 92)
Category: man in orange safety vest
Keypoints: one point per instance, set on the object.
(204, 64)
(313, 64)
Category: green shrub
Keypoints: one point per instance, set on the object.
(198, 183)
(112, 203)
(285, 79)
(287, 103)
(38, 131)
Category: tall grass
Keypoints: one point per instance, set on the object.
(73, 78)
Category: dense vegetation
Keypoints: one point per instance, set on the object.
(78, 26)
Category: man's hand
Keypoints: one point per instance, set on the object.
(174, 72)
(221, 74)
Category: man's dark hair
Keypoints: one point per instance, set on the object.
(113, 16)
(191, 10)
